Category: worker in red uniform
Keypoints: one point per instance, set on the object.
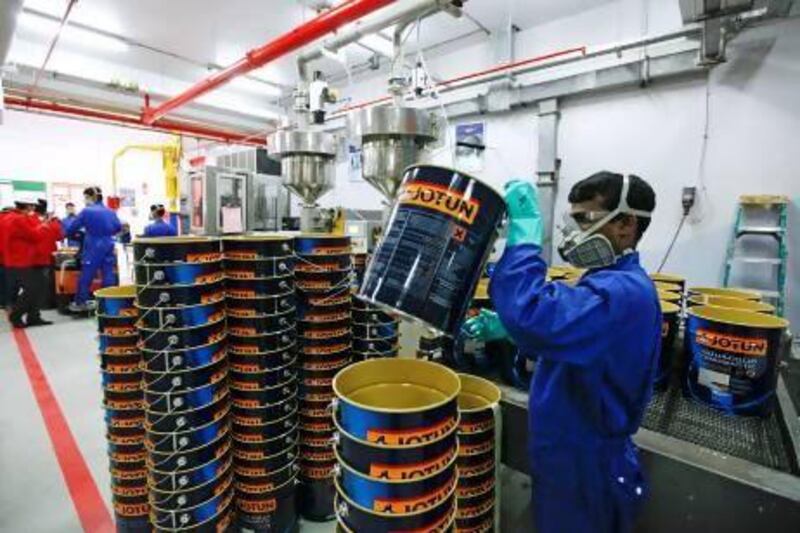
(51, 232)
(4, 299)
(21, 233)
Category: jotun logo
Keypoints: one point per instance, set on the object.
(750, 346)
(438, 198)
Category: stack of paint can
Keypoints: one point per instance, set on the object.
(478, 455)
(180, 296)
(323, 270)
(375, 333)
(259, 272)
(120, 361)
(671, 288)
(397, 446)
(431, 347)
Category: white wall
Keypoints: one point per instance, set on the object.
(57, 150)
(657, 133)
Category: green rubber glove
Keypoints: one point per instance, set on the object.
(485, 327)
(525, 224)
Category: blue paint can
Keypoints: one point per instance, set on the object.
(399, 402)
(733, 359)
(389, 496)
(431, 256)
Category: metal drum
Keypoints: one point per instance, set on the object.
(185, 380)
(479, 438)
(123, 401)
(259, 285)
(400, 402)
(733, 359)
(732, 303)
(324, 269)
(370, 323)
(742, 294)
(396, 446)
(353, 518)
(670, 279)
(183, 250)
(438, 237)
(670, 323)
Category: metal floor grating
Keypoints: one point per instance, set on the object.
(758, 440)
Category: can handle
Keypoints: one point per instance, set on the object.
(334, 406)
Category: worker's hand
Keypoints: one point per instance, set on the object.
(486, 327)
(524, 215)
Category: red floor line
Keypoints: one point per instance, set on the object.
(92, 511)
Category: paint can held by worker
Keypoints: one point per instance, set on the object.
(438, 237)
(733, 357)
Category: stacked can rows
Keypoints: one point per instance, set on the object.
(397, 446)
(323, 271)
(260, 300)
(120, 361)
(478, 455)
(375, 333)
(180, 296)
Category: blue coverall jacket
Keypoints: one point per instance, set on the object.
(598, 345)
(159, 228)
(100, 225)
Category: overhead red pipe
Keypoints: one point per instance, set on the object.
(180, 128)
(323, 24)
(472, 75)
(514, 65)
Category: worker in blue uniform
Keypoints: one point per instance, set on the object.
(100, 225)
(158, 227)
(597, 343)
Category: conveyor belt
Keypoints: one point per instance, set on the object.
(758, 440)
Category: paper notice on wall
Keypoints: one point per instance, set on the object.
(232, 220)
(470, 146)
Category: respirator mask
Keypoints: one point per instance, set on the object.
(585, 248)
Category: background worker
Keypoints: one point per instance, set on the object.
(100, 225)
(4, 300)
(159, 227)
(21, 233)
(51, 232)
(597, 342)
(73, 240)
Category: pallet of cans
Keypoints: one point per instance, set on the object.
(323, 272)
(396, 446)
(479, 431)
(120, 361)
(182, 330)
(261, 315)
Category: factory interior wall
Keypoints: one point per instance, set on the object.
(58, 150)
(656, 132)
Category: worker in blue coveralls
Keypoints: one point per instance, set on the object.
(598, 344)
(100, 225)
(158, 227)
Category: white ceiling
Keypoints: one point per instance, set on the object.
(221, 31)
